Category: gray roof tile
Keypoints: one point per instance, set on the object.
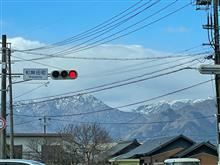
(150, 146)
(120, 146)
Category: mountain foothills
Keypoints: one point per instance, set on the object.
(194, 118)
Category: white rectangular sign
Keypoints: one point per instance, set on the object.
(35, 74)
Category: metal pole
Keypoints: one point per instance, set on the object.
(3, 95)
(45, 125)
(11, 107)
(217, 77)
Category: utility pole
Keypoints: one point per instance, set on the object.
(45, 123)
(211, 69)
(217, 76)
(3, 96)
(11, 106)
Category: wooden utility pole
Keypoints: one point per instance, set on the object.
(3, 96)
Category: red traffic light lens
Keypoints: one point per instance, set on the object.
(64, 74)
(72, 74)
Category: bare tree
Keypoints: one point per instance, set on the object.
(86, 143)
(33, 149)
(46, 151)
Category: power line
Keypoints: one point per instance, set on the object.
(123, 35)
(118, 107)
(64, 52)
(112, 27)
(25, 122)
(30, 91)
(99, 26)
(191, 48)
(40, 63)
(134, 123)
(137, 67)
(105, 58)
(102, 89)
(105, 31)
(69, 50)
(85, 91)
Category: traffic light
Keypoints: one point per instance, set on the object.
(63, 74)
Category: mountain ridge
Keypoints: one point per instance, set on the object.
(189, 117)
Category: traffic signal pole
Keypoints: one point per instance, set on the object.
(3, 97)
(217, 76)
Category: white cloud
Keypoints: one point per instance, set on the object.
(180, 29)
(21, 43)
(94, 73)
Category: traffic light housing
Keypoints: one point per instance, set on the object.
(64, 74)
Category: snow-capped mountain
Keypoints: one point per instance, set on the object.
(194, 118)
(74, 110)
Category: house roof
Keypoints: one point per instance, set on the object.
(151, 146)
(120, 146)
(194, 147)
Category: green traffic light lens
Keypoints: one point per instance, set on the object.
(64, 74)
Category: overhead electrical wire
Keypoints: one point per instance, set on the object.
(97, 90)
(112, 27)
(191, 48)
(30, 91)
(129, 69)
(93, 29)
(36, 62)
(24, 102)
(186, 50)
(107, 58)
(83, 91)
(25, 122)
(154, 59)
(64, 52)
(139, 68)
(136, 67)
(188, 55)
(77, 47)
(118, 107)
(124, 123)
(133, 123)
(112, 84)
(109, 29)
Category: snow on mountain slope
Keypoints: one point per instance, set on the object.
(190, 117)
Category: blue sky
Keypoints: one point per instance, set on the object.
(31, 23)
(51, 21)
